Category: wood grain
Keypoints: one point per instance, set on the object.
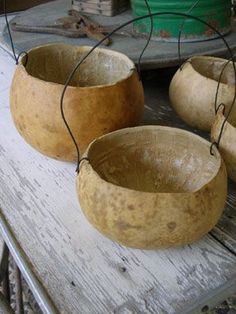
(82, 271)
(225, 231)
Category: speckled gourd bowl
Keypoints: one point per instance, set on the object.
(227, 145)
(193, 90)
(104, 95)
(152, 186)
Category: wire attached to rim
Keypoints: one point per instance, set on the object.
(108, 36)
(233, 101)
(150, 15)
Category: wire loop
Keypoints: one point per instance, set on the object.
(21, 55)
(183, 64)
(218, 108)
(78, 164)
(150, 15)
(211, 148)
(219, 82)
(217, 93)
(108, 36)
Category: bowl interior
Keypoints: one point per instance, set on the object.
(53, 63)
(231, 120)
(212, 68)
(154, 159)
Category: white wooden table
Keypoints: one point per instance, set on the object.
(70, 267)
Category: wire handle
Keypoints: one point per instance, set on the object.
(108, 36)
(151, 32)
(182, 27)
(150, 15)
(16, 58)
(216, 98)
(148, 40)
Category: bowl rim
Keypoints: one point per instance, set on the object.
(208, 58)
(85, 159)
(85, 48)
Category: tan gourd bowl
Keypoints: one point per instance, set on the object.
(152, 186)
(193, 89)
(227, 145)
(104, 95)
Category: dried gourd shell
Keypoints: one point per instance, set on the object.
(152, 186)
(193, 90)
(104, 95)
(227, 145)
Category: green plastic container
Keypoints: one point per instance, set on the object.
(215, 12)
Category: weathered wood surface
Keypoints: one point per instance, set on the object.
(82, 271)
